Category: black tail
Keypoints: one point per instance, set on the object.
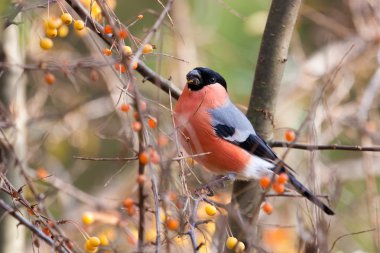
(308, 194)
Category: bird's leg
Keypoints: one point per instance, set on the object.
(217, 182)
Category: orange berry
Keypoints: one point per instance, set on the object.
(152, 122)
(155, 157)
(123, 34)
(148, 48)
(46, 43)
(108, 52)
(267, 208)
(49, 78)
(290, 135)
(139, 17)
(128, 202)
(107, 29)
(136, 115)
(282, 178)
(131, 210)
(279, 188)
(144, 158)
(264, 182)
(142, 105)
(66, 18)
(140, 179)
(42, 173)
(94, 75)
(172, 196)
(172, 224)
(162, 140)
(136, 126)
(46, 231)
(79, 25)
(231, 242)
(135, 65)
(125, 107)
(120, 67)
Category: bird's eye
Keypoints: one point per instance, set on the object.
(212, 80)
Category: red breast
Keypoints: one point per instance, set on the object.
(196, 134)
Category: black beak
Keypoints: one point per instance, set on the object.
(194, 77)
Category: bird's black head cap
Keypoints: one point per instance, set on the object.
(200, 77)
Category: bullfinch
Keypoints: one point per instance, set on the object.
(208, 122)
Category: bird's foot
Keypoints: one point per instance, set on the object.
(218, 182)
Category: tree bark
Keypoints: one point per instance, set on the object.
(247, 196)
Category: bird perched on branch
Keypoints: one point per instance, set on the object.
(209, 122)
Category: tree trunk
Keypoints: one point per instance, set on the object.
(247, 196)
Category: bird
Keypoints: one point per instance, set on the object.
(210, 125)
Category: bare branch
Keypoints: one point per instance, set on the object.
(280, 144)
(32, 227)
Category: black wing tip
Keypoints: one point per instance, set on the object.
(328, 211)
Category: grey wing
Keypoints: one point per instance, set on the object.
(233, 126)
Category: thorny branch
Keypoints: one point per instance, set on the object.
(32, 228)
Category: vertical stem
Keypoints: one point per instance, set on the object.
(269, 71)
(12, 236)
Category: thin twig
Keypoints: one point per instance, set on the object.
(143, 69)
(32, 227)
(280, 144)
(105, 159)
(355, 233)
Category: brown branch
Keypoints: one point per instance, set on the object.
(105, 158)
(144, 70)
(270, 67)
(32, 227)
(280, 144)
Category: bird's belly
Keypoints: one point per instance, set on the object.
(199, 139)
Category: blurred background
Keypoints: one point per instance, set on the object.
(333, 64)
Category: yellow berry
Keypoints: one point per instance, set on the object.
(148, 48)
(231, 242)
(127, 50)
(63, 31)
(89, 248)
(66, 18)
(46, 43)
(88, 218)
(94, 241)
(54, 23)
(103, 240)
(51, 33)
(210, 210)
(150, 235)
(240, 247)
(79, 25)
